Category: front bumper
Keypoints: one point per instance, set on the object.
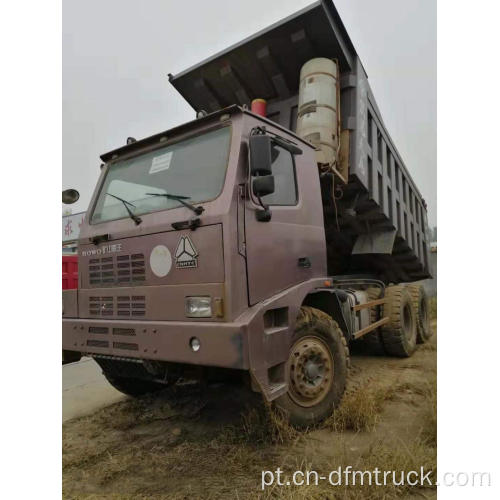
(222, 344)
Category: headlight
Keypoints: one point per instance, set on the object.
(198, 307)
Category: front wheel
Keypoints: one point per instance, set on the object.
(316, 369)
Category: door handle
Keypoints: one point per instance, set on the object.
(304, 262)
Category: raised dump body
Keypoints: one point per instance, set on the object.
(375, 217)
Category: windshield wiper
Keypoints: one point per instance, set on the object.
(180, 199)
(126, 203)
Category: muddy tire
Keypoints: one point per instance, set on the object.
(373, 340)
(421, 308)
(316, 369)
(134, 387)
(400, 333)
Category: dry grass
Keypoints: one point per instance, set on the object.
(433, 307)
(177, 446)
(430, 346)
(360, 409)
(261, 425)
(405, 457)
(429, 417)
(125, 463)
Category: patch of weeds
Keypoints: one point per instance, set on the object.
(429, 417)
(433, 307)
(429, 347)
(359, 409)
(262, 425)
(398, 457)
(428, 390)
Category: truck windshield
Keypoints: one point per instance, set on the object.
(193, 170)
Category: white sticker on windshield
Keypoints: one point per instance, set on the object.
(161, 162)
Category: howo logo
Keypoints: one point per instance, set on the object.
(117, 247)
(186, 255)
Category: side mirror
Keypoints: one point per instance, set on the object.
(263, 186)
(260, 155)
(69, 196)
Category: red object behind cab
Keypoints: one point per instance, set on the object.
(258, 107)
(69, 272)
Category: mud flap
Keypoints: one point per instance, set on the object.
(268, 354)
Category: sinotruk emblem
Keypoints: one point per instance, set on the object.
(186, 255)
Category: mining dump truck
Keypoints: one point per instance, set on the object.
(263, 238)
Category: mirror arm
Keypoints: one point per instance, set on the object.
(263, 215)
(261, 203)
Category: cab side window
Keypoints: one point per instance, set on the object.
(285, 181)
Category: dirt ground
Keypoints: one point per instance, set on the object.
(214, 442)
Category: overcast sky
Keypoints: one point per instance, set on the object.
(117, 54)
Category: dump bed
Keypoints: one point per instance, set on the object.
(378, 225)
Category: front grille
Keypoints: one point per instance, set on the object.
(126, 345)
(101, 330)
(97, 343)
(117, 270)
(124, 331)
(134, 305)
(101, 306)
(123, 306)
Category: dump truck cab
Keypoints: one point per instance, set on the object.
(194, 268)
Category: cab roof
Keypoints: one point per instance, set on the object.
(156, 138)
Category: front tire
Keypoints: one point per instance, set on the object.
(316, 369)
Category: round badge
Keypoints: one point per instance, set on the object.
(160, 260)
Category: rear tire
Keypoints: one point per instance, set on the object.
(400, 333)
(316, 369)
(421, 308)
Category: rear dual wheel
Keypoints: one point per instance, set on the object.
(399, 334)
(421, 308)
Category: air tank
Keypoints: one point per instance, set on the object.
(317, 119)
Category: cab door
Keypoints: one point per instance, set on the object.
(289, 248)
